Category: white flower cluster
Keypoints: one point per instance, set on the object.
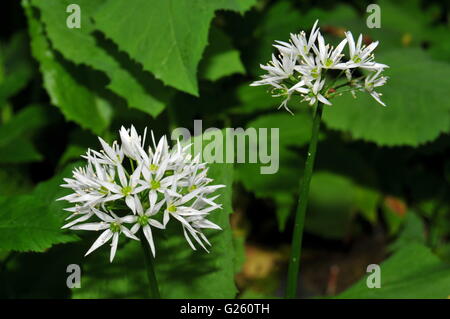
(125, 188)
(303, 62)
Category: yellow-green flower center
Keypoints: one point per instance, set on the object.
(127, 190)
(143, 220)
(153, 167)
(155, 184)
(172, 208)
(114, 227)
(356, 59)
(315, 73)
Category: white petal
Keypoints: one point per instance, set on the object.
(78, 220)
(135, 228)
(128, 233)
(90, 226)
(166, 218)
(155, 223)
(322, 99)
(122, 177)
(188, 239)
(103, 216)
(129, 200)
(109, 151)
(148, 234)
(138, 205)
(102, 239)
(128, 219)
(114, 243)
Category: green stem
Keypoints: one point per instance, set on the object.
(150, 267)
(296, 248)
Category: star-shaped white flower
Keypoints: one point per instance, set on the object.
(112, 226)
(371, 82)
(145, 221)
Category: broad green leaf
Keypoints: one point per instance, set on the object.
(403, 23)
(281, 185)
(285, 204)
(414, 95)
(294, 130)
(220, 58)
(267, 185)
(72, 152)
(33, 222)
(440, 42)
(27, 120)
(413, 232)
(15, 67)
(412, 272)
(166, 36)
(14, 181)
(333, 201)
(253, 99)
(19, 150)
(82, 47)
(276, 24)
(76, 101)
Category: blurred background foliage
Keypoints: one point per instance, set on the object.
(380, 192)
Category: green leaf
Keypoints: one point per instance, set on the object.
(33, 222)
(167, 37)
(414, 95)
(77, 102)
(412, 272)
(267, 185)
(276, 24)
(413, 232)
(19, 150)
(15, 67)
(294, 130)
(403, 23)
(253, 99)
(280, 186)
(14, 181)
(141, 93)
(284, 203)
(220, 59)
(27, 120)
(333, 202)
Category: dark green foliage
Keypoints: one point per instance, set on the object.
(381, 172)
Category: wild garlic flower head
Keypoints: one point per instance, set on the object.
(308, 67)
(126, 188)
